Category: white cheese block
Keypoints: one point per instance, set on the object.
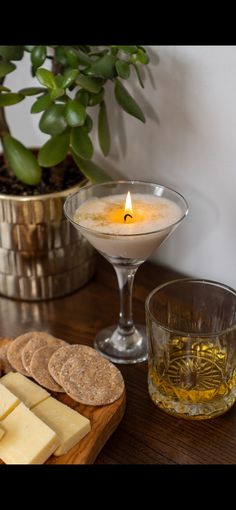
(8, 401)
(27, 391)
(27, 439)
(69, 425)
(2, 432)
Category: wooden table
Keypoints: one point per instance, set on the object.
(146, 435)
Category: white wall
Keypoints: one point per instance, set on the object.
(192, 148)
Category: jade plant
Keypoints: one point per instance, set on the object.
(64, 95)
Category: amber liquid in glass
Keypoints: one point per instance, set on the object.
(192, 379)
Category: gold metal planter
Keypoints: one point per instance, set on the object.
(41, 255)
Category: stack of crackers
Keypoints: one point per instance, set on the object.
(77, 370)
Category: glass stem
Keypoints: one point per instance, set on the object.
(125, 276)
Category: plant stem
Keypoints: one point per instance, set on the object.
(3, 121)
(56, 67)
(3, 124)
(4, 129)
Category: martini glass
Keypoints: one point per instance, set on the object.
(125, 342)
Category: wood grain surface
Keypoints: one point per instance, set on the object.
(146, 435)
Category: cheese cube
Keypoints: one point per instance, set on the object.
(2, 432)
(27, 391)
(69, 425)
(8, 402)
(27, 440)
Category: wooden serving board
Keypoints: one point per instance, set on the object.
(104, 420)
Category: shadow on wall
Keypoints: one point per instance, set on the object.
(119, 120)
(176, 98)
(204, 214)
(171, 130)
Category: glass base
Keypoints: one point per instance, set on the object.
(190, 411)
(121, 348)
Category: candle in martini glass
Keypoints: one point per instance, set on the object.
(125, 221)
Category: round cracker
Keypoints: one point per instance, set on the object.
(91, 379)
(14, 353)
(5, 340)
(6, 366)
(39, 368)
(38, 339)
(1, 367)
(59, 358)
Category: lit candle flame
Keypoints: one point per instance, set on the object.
(128, 207)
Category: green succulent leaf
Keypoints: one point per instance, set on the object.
(88, 124)
(7, 99)
(83, 58)
(22, 161)
(141, 47)
(12, 52)
(61, 99)
(46, 77)
(72, 56)
(77, 81)
(33, 71)
(142, 56)
(96, 98)
(103, 130)
(53, 120)
(69, 77)
(81, 143)
(56, 93)
(98, 53)
(138, 74)
(114, 50)
(32, 91)
(58, 80)
(128, 49)
(6, 68)
(123, 69)
(28, 48)
(38, 55)
(55, 150)
(84, 48)
(75, 113)
(83, 97)
(91, 170)
(91, 84)
(103, 67)
(61, 55)
(127, 102)
(41, 104)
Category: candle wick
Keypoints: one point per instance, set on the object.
(126, 215)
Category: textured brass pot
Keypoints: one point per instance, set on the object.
(42, 255)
